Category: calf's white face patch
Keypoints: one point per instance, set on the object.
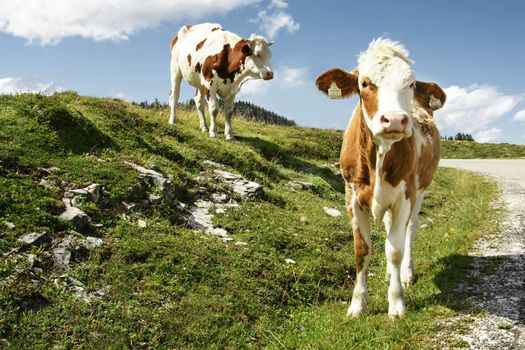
(386, 83)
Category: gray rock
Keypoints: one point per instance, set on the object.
(93, 192)
(154, 198)
(79, 218)
(91, 243)
(219, 197)
(46, 183)
(33, 261)
(246, 189)
(213, 164)
(35, 239)
(300, 185)
(154, 177)
(9, 225)
(332, 212)
(129, 207)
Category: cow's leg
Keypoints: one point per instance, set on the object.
(228, 110)
(360, 218)
(387, 221)
(213, 106)
(394, 248)
(200, 104)
(407, 265)
(176, 77)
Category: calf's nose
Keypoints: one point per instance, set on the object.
(269, 75)
(394, 122)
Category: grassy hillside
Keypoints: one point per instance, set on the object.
(469, 150)
(162, 285)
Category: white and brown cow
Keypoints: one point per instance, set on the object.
(215, 62)
(390, 151)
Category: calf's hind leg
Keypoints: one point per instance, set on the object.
(200, 104)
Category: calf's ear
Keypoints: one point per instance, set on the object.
(337, 83)
(246, 49)
(430, 95)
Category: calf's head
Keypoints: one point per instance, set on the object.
(258, 54)
(386, 86)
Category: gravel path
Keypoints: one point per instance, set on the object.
(499, 293)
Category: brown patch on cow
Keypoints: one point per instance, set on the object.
(216, 28)
(368, 92)
(345, 81)
(189, 59)
(358, 157)
(360, 249)
(207, 93)
(188, 27)
(173, 42)
(227, 63)
(429, 160)
(200, 45)
(400, 161)
(198, 67)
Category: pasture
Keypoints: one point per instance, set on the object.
(167, 286)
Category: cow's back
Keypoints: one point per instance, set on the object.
(195, 44)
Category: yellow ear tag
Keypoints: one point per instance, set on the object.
(434, 103)
(334, 92)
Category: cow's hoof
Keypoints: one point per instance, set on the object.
(204, 129)
(171, 121)
(230, 138)
(212, 134)
(407, 276)
(407, 280)
(356, 308)
(396, 309)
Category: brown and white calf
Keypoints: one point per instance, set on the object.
(215, 62)
(390, 151)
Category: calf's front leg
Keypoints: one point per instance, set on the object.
(360, 218)
(394, 248)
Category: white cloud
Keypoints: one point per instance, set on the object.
(488, 135)
(293, 76)
(254, 88)
(49, 21)
(279, 4)
(285, 78)
(474, 108)
(520, 115)
(275, 19)
(10, 85)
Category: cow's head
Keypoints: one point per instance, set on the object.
(258, 54)
(386, 86)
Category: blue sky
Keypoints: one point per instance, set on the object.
(474, 49)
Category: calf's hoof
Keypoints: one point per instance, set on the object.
(396, 309)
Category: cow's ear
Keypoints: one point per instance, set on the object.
(246, 49)
(430, 95)
(337, 83)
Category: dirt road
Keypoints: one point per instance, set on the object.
(496, 316)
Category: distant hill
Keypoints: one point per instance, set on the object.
(470, 149)
(242, 109)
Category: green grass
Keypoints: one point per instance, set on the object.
(471, 150)
(170, 287)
